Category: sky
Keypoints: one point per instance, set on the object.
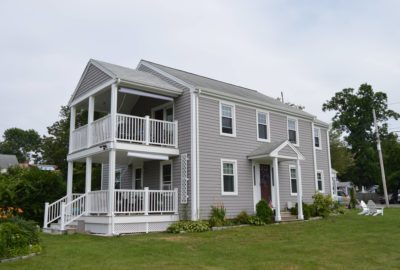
(307, 49)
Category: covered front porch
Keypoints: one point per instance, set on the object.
(138, 194)
(267, 176)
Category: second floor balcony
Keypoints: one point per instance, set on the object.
(128, 128)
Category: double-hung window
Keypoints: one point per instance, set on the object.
(229, 177)
(317, 138)
(166, 175)
(263, 126)
(227, 115)
(293, 135)
(138, 179)
(293, 180)
(320, 181)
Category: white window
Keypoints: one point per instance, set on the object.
(263, 126)
(227, 119)
(293, 180)
(118, 179)
(166, 175)
(229, 177)
(320, 181)
(317, 138)
(293, 134)
(138, 178)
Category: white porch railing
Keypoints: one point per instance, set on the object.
(52, 211)
(147, 131)
(79, 138)
(98, 202)
(101, 130)
(73, 210)
(129, 128)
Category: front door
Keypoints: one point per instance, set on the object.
(265, 182)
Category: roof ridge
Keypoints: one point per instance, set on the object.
(201, 76)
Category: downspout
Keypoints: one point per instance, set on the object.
(193, 155)
(329, 159)
(198, 153)
(314, 156)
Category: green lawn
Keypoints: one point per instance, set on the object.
(343, 242)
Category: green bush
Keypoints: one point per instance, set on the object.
(264, 212)
(188, 226)
(323, 205)
(255, 220)
(353, 199)
(242, 218)
(307, 210)
(217, 216)
(18, 237)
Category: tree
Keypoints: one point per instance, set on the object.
(20, 142)
(391, 157)
(341, 157)
(354, 118)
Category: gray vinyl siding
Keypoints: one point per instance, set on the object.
(214, 147)
(93, 78)
(126, 176)
(288, 152)
(183, 116)
(322, 160)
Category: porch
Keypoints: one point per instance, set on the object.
(132, 211)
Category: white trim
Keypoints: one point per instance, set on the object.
(290, 180)
(328, 147)
(319, 138)
(92, 92)
(148, 156)
(275, 152)
(146, 149)
(268, 126)
(314, 157)
(297, 130)
(134, 168)
(232, 105)
(322, 181)
(194, 155)
(163, 163)
(235, 177)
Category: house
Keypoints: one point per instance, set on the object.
(7, 161)
(173, 143)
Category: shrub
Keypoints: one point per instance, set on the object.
(242, 218)
(18, 237)
(217, 216)
(323, 205)
(353, 199)
(264, 212)
(255, 220)
(188, 226)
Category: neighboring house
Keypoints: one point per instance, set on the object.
(46, 167)
(173, 143)
(7, 161)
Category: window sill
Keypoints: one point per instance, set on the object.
(229, 193)
(264, 140)
(228, 135)
(293, 194)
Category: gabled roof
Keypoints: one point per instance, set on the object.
(7, 161)
(273, 149)
(106, 73)
(223, 88)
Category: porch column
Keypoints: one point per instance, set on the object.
(71, 126)
(277, 197)
(70, 176)
(299, 192)
(113, 111)
(111, 181)
(90, 121)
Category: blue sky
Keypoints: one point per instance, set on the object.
(307, 49)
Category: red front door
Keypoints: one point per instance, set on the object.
(265, 182)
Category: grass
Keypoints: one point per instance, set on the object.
(342, 242)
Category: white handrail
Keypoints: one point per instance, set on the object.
(98, 202)
(52, 212)
(79, 138)
(101, 130)
(73, 210)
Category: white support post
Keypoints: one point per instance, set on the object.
(72, 126)
(90, 121)
(146, 201)
(113, 111)
(278, 202)
(299, 192)
(176, 134)
(147, 130)
(70, 178)
(111, 181)
(62, 226)
(46, 214)
(176, 201)
(88, 183)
